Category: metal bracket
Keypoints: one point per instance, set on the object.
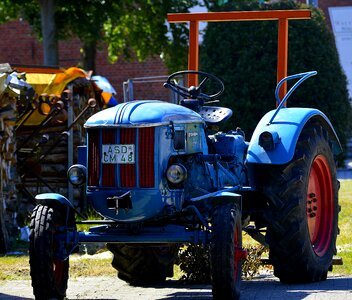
(117, 202)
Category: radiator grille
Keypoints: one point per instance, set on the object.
(141, 174)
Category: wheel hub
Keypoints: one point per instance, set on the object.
(320, 207)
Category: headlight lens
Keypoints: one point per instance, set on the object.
(176, 173)
(77, 175)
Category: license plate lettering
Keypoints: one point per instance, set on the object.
(118, 154)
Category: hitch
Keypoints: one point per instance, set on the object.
(116, 202)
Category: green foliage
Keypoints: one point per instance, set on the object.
(7, 11)
(253, 263)
(344, 245)
(244, 55)
(145, 31)
(194, 263)
(139, 29)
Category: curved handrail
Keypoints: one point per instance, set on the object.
(281, 103)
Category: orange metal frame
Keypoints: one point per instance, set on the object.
(282, 16)
(36, 69)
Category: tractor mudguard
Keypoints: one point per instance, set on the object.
(220, 197)
(51, 198)
(281, 135)
(227, 197)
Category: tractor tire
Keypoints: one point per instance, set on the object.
(226, 252)
(49, 275)
(303, 209)
(141, 265)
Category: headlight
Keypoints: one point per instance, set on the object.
(77, 175)
(176, 173)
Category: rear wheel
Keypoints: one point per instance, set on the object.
(303, 210)
(143, 265)
(226, 252)
(49, 274)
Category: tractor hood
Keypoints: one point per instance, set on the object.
(143, 113)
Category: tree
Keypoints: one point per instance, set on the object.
(7, 11)
(48, 25)
(132, 28)
(248, 52)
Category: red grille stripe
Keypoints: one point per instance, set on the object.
(128, 171)
(146, 157)
(108, 170)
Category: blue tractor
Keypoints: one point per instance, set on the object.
(161, 176)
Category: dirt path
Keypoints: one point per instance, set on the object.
(265, 287)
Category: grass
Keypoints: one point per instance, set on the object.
(14, 267)
(17, 267)
(344, 242)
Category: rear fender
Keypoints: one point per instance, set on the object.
(286, 129)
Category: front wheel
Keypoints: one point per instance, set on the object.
(49, 274)
(226, 252)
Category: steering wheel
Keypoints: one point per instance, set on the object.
(194, 92)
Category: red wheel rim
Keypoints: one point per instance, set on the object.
(58, 268)
(239, 253)
(320, 205)
(236, 258)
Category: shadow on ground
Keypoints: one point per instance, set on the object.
(260, 288)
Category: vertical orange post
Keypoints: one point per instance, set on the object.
(193, 52)
(282, 54)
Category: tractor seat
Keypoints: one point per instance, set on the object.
(214, 114)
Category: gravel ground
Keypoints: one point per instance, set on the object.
(263, 287)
